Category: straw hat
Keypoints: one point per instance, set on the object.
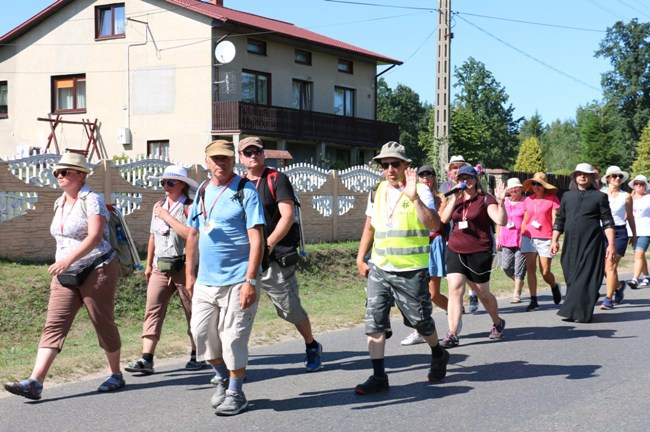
(513, 183)
(177, 172)
(392, 149)
(454, 160)
(540, 178)
(614, 170)
(73, 161)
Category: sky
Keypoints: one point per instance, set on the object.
(541, 52)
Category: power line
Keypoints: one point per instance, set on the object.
(632, 7)
(604, 8)
(382, 5)
(531, 22)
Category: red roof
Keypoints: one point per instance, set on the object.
(223, 14)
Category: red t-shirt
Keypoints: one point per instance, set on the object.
(477, 236)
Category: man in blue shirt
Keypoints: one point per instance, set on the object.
(226, 232)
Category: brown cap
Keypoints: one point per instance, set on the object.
(250, 141)
(220, 148)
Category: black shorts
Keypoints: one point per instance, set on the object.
(476, 266)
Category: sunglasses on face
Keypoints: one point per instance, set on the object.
(454, 167)
(425, 174)
(62, 173)
(616, 176)
(639, 184)
(253, 151)
(535, 184)
(394, 164)
(169, 183)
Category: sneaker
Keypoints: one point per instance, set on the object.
(634, 284)
(220, 392)
(532, 306)
(450, 341)
(313, 360)
(473, 304)
(233, 404)
(140, 366)
(497, 329)
(374, 384)
(413, 339)
(438, 367)
(645, 282)
(619, 294)
(29, 388)
(195, 365)
(607, 304)
(557, 294)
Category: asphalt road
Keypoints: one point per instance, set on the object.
(545, 375)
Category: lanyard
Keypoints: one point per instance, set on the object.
(207, 215)
(65, 216)
(391, 211)
(465, 208)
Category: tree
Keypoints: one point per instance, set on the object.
(532, 128)
(487, 118)
(530, 157)
(642, 163)
(627, 86)
(403, 106)
(561, 146)
(599, 136)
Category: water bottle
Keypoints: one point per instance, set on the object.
(119, 233)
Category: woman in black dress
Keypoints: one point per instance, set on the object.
(582, 210)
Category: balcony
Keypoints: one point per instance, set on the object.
(292, 124)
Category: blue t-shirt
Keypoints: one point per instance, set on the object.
(224, 251)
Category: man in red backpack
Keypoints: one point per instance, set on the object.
(279, 280)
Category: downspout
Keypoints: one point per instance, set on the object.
(128, 67)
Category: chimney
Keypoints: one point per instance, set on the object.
(217, 2)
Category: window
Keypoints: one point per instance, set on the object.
(158, 149)
(69, 93)
(4, 99)
(255, 46)
(344, 101)
(109, 21)
(345, 66)
(302, 95)
(303, 57)
(256, 87)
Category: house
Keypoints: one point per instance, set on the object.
(140, 77)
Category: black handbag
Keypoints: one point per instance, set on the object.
(170, 264)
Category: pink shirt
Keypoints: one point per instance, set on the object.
(540, 211)
(511, 233)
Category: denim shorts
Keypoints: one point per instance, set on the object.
(542, 247)
(642, 242)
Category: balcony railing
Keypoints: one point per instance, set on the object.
(252, 119)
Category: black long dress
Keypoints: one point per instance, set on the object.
(583, 252)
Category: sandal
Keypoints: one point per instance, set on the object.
(515, 300)
(111, 383)
(29, 388)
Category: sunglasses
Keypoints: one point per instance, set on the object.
(253, 151)
(394, 164)
(639, 184)
(617, 176)
(62, 173)
(535, 184)
(425, 174)
(170, 183)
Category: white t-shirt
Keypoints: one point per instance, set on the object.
(641, 211)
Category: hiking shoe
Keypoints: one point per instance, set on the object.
(140, 366)
(634, 284)
(450, 341)
(532, 306)
(497, 329)
(220, 392)
(112, 382)
(195, 365)
(473, 304)
(413, 339)
(374, 384)
(607, 304)
(233, 404)
(313, 360)
(619, 293)
(557, 294)
(438, 367)
(29, 388)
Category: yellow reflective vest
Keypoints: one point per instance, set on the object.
(400, 238)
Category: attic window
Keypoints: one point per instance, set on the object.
(110, 21)
(345, 66)
(255, 46)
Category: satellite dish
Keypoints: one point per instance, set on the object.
(224, 52)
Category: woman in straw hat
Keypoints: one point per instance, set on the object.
(583, 216)
(513, 260)
(85, 273)
(620, 203)
(537, 229)
(165, 271)
(641, 211)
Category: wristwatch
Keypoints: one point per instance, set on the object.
(253, 282)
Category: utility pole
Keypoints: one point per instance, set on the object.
(443, 66)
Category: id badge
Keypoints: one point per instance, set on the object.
(208, 227)
(510, 225)
(463, 225)
(536, 224)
